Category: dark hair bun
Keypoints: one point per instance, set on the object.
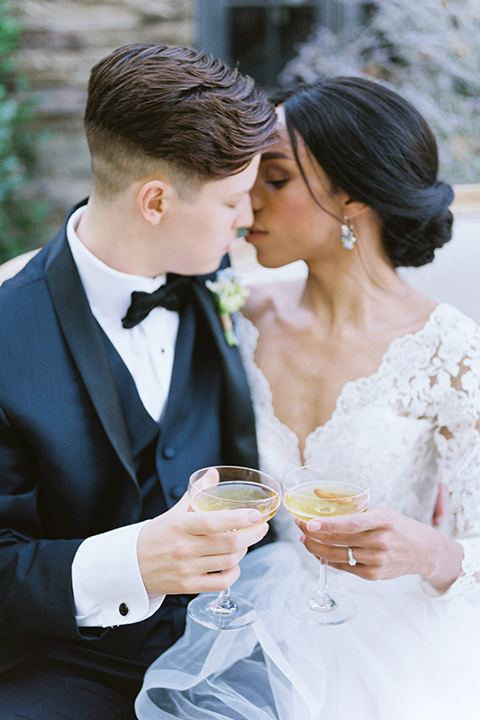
(412, 241)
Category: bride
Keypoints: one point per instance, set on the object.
(352, 367)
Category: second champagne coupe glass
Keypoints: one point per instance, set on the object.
(322, 491)
(223, 488)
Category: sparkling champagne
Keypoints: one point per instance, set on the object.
(314, 499)
(233, 494)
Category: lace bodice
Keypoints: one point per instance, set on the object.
(414, 421)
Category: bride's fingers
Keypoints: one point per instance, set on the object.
(377, 538)
(371, 519)
(374, 529)
(338, 554)
(365, 563)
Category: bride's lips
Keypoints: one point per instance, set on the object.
(255, 234)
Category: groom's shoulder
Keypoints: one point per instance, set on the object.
(24, 291)
(12, 267)
(20, 272)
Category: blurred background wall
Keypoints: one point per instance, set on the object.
(60, 41)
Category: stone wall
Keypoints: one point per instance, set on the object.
(61, 41)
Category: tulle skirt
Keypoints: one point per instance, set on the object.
(404, 656)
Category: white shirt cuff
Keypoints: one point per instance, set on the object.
(108, 589)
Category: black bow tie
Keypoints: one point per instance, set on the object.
(171, 296)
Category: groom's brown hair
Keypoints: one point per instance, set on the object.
(154, 107)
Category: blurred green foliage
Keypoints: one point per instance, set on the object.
(21, 213)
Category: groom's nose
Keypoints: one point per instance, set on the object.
(245, 213)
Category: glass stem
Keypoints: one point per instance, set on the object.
(322, 600)
(223, 602)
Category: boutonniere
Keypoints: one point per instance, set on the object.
(230, 297)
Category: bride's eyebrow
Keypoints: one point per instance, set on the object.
(274, 156)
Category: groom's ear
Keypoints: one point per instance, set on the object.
(153, 198)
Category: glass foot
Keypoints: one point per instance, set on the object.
(303, 607)
(205, 610)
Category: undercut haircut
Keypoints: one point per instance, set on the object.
(172, 110)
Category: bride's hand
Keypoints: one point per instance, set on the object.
(384, 545)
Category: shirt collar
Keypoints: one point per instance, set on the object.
(108, 291)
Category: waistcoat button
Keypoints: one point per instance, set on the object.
(176, 493)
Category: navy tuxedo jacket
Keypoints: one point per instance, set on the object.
(66, 465)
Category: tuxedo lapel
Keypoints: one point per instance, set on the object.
(84, 339)
(182, 369)
(237, 407)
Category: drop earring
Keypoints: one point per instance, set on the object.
(347, 237)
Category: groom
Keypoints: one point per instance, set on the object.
(109, 399)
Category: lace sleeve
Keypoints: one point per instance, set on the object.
(456, 393)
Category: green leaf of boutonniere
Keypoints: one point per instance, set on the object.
(230, 297)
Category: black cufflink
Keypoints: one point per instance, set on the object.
(123, 609)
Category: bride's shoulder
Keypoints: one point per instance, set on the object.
(451, 319)
(456, 334)
(267, 300)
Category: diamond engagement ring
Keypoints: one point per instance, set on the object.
(351, 559)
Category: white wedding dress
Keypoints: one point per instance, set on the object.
(408, 654)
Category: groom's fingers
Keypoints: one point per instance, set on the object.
(222, 521)
(214, 581)
(224, 543)
(208, 480)
(223, 532)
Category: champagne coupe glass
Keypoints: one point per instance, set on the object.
(316, 491)
(223, 488)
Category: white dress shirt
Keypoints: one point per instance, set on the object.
(107, 586)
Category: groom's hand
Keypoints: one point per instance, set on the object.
(179, 549)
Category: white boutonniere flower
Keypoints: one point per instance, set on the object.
(230, 297)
